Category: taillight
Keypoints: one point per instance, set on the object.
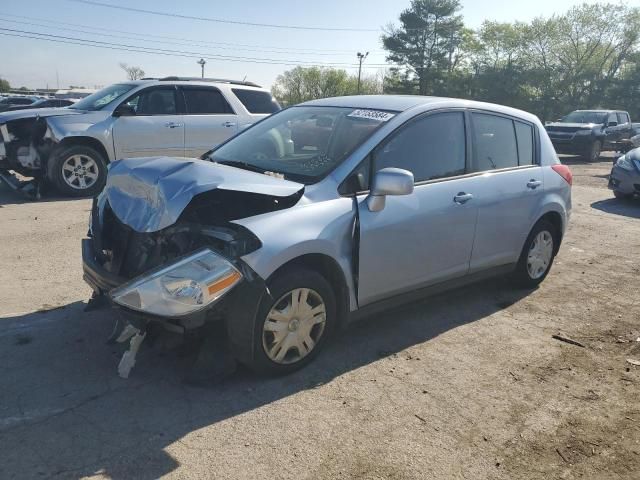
(564, 172)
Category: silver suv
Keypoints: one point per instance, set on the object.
(325, 212)
(173, 116)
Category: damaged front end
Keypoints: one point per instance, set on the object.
(25, 145)
(162, 246)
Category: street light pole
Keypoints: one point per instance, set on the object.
(202, 63)
(361, 57)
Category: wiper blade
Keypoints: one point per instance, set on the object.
(242, 165)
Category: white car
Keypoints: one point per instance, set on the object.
(173, 116)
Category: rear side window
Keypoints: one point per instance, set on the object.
(524, 136)
(623, 118)
(495, 143)
(431, 147)
(201, 101)
(256, 101)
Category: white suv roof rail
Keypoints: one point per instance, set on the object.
(198, 79)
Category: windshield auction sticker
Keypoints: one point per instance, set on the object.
(372, 115)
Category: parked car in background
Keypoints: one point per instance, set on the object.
(286, 236)
(589, 132)
(625, 175)
(181, 117)
(8, 102)
(43, 103)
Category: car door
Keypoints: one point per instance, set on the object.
(209, 119)
(505, 153)
(612, 129)
(425, 237)
(156, 129)
(624, 124)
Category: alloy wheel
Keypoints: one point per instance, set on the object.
(80, 171)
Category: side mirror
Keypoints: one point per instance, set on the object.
(389, 181)
(124, 110)
(612, 124)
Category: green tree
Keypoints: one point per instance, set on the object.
(308, 83)
(4, 85)
(426, 41)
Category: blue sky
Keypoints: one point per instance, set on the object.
(37, 63)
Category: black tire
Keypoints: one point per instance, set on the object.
(621, 196)
(593, 154)
(283, 283)
(57, 177)
(522, 274)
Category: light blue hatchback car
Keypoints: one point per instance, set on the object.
(325, 212)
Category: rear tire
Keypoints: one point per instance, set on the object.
(537, 254)
(77, 171)
(287, 338)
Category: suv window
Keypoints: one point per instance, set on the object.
(495, 142)
(612, 118)
(256, 101)
(623, 118)
(524, 136)
(154, 101)
(201, 101)
(430, 147)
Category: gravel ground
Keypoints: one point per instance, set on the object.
(470, 384)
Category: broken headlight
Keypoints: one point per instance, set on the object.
(183, 287)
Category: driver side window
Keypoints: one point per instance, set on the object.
(430, 147)
(155, 101)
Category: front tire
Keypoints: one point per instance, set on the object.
(77, 171)
(593, 154)
(293, 323)
(537, 254)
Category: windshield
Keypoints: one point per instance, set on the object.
(585, 117)
(301, 143)
(102, 98)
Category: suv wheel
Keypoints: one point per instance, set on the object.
(294, 322)
(537, 255)
(593, 155)
(78, 171)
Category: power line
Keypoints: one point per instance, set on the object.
(220, 20)
(171, 42)
(165, 52)
(57, 23)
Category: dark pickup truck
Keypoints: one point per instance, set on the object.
(589, 132)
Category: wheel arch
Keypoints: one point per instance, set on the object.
(329, 268)
(84, 141)
(555, 219)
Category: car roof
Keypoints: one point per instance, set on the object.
(173, 80)
(401, 103)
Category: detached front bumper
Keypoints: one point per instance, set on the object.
(624, 181)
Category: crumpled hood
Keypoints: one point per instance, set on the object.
(37, 112)
(149, 194)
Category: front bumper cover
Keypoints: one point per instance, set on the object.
(624, 181)
(238, 308)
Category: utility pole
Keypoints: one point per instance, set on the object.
(202, 63)
(361, 57)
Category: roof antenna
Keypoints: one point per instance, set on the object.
(244, 79)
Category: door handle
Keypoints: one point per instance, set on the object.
(462, 197)
(533, 184)
(228, 124)
(172, 125)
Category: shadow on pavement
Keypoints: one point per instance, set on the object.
(627, 208)
(65, 413)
